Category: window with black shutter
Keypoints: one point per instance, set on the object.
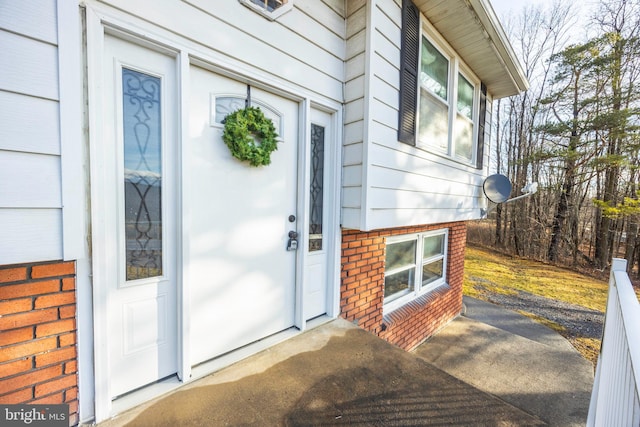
(442, 105)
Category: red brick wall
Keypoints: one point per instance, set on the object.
(38, 363)
(362, 286)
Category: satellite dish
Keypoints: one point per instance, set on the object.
(497, 188)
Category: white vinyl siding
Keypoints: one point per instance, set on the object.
(401, 185)
(29, 66)
(354, 120)
(36, 19)
(30, 162)
(305, 46)
(15, 108)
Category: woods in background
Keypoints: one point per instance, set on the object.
(576, 133)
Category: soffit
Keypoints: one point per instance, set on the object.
(472, 28)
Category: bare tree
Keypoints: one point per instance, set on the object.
(538, 34)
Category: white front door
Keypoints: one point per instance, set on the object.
(140, 146)
(242, 277)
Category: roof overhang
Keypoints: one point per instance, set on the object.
(472, 28)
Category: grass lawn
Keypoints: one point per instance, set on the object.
(503, 274)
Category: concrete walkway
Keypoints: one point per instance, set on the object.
(337, 374)
(522, 362)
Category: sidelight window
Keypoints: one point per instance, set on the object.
(142, 137)
(316, 187)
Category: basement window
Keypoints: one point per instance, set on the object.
(270, 9)
(414, 265)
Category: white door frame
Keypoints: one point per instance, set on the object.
(100, 271)
(101, 19)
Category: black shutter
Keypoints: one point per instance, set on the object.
(482, 118)
(409, 55)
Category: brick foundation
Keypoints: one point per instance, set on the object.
(362, 286)
(38, 363)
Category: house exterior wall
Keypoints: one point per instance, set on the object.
(40, 122)
(362, 286)
(386, 183)
(351, 59)
(38, 363)
(354, 106)
(281, 48)
(30, 153)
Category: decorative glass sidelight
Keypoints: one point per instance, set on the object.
(142, 136)
(316, 188)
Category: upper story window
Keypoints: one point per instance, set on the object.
(448, 104)
(270, 9)
(442, 104)
(463, 139)
(434, 70)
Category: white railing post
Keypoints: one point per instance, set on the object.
(615, 397)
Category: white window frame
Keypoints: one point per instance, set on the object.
(418, 288)
(456, 67)
(270, 15)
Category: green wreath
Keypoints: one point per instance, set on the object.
(250, 136)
